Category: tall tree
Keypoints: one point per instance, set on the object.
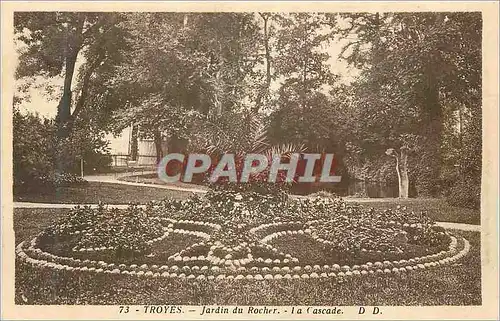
(415, 64)
(195, 63)
(54, 41)
(264, 90)
(301, 61)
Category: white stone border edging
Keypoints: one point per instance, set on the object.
(48, 260)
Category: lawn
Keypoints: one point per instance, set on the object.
(95, 192)
(28, 222)
(456, 284)
(436, 208)
(153, 179)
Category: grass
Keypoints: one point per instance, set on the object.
(95, 192)
(436, 208)
(457, 284)
(120, 169)
(28, 222)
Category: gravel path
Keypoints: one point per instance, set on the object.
(113, 178)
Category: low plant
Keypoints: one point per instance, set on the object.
(126, 231)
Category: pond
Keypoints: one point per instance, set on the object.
(372, 189)
(352, 187)
(349, 187)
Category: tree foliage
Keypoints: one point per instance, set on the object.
(54, 41)
(300, 62)
(248, 82)
(415, 66)
(38, 152)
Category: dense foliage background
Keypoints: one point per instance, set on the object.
(260, 82)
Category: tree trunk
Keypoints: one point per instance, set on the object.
(303, 92)
(265, 90)
(432, 118)
(403, 173)
(401, 170)
(80, 104)
(399, 174)
(64, 114)
(64, 107)
(460, 138)
(268, 55)
(158, 146)
(71, 51)
(134, 144)
(376, 52)
(177, 145)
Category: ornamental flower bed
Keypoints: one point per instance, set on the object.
(86, 230)
(241, 234)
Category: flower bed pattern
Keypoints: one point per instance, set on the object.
(222, 240)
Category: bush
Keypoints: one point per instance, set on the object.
(97, 163)
(43, 161)
(61, 180)
(323, 193)
(125, 231)
(32, 150)
(257, 182)
(465, 193)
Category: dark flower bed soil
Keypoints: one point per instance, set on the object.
(308, 250)
(160, 252)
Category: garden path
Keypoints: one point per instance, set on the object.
(113, 178)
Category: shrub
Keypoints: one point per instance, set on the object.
(55, 180)
(326, 194)
(97, 163)
(42, 161)
(257, 182)
(466, 193)
(125, 231)
(32, 150)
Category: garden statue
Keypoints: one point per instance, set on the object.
(401, 169)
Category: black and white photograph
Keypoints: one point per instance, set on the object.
(261, 163)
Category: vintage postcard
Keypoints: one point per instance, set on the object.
(250, 160)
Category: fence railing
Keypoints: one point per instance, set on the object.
(119, 160)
